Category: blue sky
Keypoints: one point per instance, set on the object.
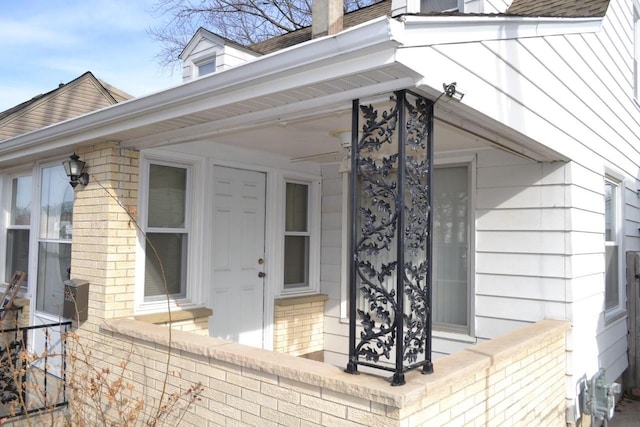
(47, 42)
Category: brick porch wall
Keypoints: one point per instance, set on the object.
(299, 325)
(516, 379)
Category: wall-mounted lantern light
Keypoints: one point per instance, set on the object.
(73, 167)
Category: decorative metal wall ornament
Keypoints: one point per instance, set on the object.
(391, 227)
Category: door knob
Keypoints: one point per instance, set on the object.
(261, 274)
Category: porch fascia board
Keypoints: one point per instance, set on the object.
(214, 90)
(434, 30)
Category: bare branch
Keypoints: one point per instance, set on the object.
(243, 21)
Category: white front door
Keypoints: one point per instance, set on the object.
(237, 291)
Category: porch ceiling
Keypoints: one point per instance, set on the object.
(311, 139)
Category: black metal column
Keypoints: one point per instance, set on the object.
(390, 229)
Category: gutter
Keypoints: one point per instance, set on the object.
(434, 30)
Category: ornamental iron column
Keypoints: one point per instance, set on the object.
(391, 229)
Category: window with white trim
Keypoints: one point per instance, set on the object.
(613, 264)
(451, 248)
(208, 67)
(167, 227)
(636, 50)
(18, 226)
(54, 238)
(427, 6)
(301, 236)
(297, 236)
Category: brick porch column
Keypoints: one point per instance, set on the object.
(104, 237)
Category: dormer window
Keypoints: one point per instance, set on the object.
(427, 6)
(207, 67)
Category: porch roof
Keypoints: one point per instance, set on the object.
(313, 79)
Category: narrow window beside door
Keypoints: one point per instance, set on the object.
(297, 236)
(17, 258)
(54, 239)
(612, 243)
(167, 231)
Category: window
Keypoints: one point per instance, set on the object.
(451, 247)
(54, 239)
(427, 6)
(297, 236)
(451, 233)
(167, 229)
(612, 244)
(18, 227)
(636, 50)
(208, 67)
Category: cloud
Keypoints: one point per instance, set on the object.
(14, 33)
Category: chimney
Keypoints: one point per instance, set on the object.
(326, 17)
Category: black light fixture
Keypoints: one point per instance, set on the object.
(73, 167)
(450, 91)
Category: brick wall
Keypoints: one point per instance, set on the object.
(516, 379)
(298, 327)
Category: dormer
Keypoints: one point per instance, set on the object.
(207, 53)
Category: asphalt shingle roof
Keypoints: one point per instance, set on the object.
(350, 19)
(533, 8)
(559, 8)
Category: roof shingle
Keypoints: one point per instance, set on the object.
(533, 8)
(559, 8)
(350, 19)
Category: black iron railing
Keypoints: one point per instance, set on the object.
(33, 368)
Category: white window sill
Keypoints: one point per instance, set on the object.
(454, 336)
(613, 315)
(161, 307)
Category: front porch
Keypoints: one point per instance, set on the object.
(518, 378)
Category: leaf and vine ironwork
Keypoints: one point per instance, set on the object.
(391, 203)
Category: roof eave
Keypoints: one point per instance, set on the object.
(188, 97)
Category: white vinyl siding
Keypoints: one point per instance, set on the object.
(572, 94)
